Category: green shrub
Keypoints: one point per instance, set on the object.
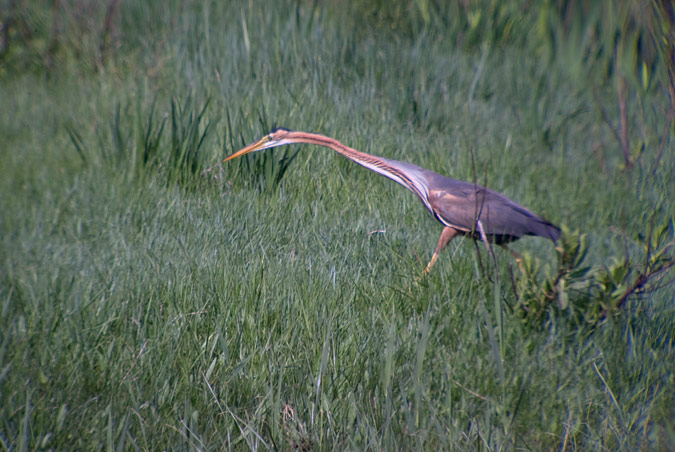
(584, 294)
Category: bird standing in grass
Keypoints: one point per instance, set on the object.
(463, 208)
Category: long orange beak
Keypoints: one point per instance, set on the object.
(260, 144)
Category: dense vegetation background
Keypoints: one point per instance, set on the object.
(153, 299)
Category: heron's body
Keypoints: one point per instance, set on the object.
(462, 207)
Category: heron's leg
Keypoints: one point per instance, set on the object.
(484, 238)
(516, 255)
(447, 235)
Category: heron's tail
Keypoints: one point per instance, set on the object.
(547, 230)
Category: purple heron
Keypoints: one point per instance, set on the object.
(463, 208)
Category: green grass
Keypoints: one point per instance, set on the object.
(147, 306)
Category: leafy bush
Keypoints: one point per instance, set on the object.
(587, 294)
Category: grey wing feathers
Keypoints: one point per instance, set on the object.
(462, 204)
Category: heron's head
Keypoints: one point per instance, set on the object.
(276, 137)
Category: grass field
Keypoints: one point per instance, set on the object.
(146, 305)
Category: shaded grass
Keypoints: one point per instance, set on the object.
(139, 314)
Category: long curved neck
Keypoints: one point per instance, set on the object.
(379, 165)
(321, 140)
